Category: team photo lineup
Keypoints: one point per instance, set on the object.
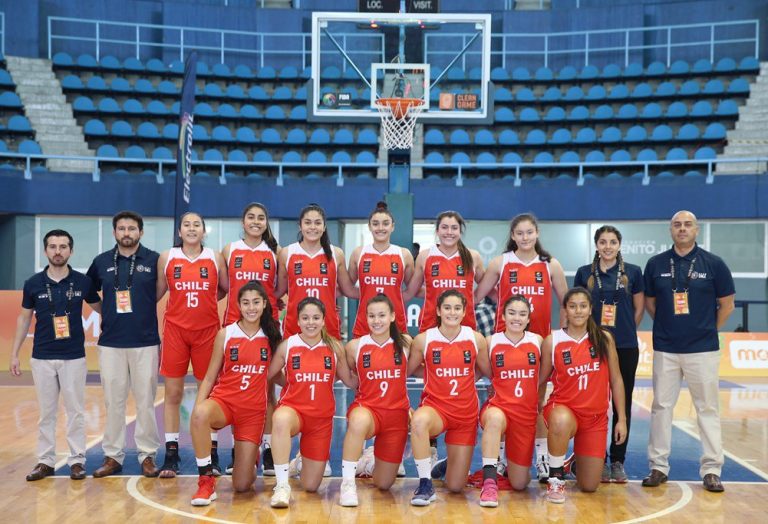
(268, 367)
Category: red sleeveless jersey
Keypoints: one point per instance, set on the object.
(515, 374)
(449, 373)
(442, 273)
(309, 376)
(532, 280)
(380, 273)
(242, 380)
(244, 265)
(192, 290)
(310, 276)
(382, 375)
(581, 380)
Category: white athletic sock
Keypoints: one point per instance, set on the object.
(281, 472)
(423, 467)
(556, 461)
(171, 437)
(489, 461)
(348, 468)
(541, 447)
(202, 462)
(266, 440)
(215, 436)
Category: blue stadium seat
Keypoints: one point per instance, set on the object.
(258, 93)
(525, 95)
(202, 69)
(603, 112)
(611, 71)
(595, 93)
(567, 73)
(651, 111)
(5, 78)
(656, 69)
(665, 89)
(508, 137)
(250, 112)
(20, 124)
(725, 65)
(552, 94)
(578, 113)
(560, 136)
(585, 135)
(295, 136)
(166, 87)
(262, 156)
(222, 71)
(714, 87)
(317, 157)
(213, 91)
(162, 153)
(367, 137)
(502, 94)
(213, 155)
(156, 107)
(95, 127)
(171, 131)
(365, 157)
(156, 66)
(460, 158)
(82, 103)
(738, 86)
(176, 67)
(633, 70)
(242, 71)
(521, 74)
(87, 61)
(701, 109)
(96, 83)
(341, 157)
(237, 155)
(147, 130)
(245, 135)
(714, 131)
(434, 137)
(134, 64)
(486, 157)
(705, 153)
(689, 88)
(573, 94)
(484, 137)
(222, 134)
(512, 158)
(702, 66)
(665, 174)
(589, 72)
(749, 63)
(107, 151)
(62, 59)
(320, 136)
(536, 137)
(635, 134)
(68, 82)
(618, 92)
(727, 108)
(236, 92)
(679, 67)
(688, 132)
(120, 85)
(610, 135)
(555, 114)
(647, 155)
(282, 93)
(434, 158)
(331, 73)
(661, 133)
(122, 129)
(543, 74)
(110, 62)
(227, 111)
(301, 94)
(504, 114)
(677, 153)
(459, 137)
(543, 157)
(136, 152)
(200, 133)
(569, 157)
(528, 114)
(274, 113)
(203, 109)
(144, 86)
(594, 156)
(133, 106)
(288, 73)
(627, 112)
(677, 110)
(298, 113)
(610, 176)
(499, 74)
(642, 90)
(620, 155)
(454, 74)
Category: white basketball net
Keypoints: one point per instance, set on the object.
(398, 119)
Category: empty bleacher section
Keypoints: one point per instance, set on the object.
(16, 133)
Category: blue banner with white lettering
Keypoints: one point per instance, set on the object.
(184, 150)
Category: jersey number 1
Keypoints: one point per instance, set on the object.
(313, 292)
(191, 299)
(583, 381)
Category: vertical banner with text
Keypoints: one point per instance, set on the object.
(184, 151)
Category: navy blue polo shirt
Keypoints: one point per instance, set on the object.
(711, 279)
(66, 298)
(625, 330)
(139, 327)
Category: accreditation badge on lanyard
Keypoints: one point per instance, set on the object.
(608, 315)
(123, 301)
(123, 297)
(61, 322)
(680, 298)
(61, 327)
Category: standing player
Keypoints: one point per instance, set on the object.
(195, 278)
(452, 354)
(617, 294)
(512, 408)
(312, 267)
(380, 409)
(234, 391)
(310, 362)
(526, 268)
(447, 265)
(381, 268)
(585, 371)
(254, 258)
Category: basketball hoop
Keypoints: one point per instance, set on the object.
(398, 119)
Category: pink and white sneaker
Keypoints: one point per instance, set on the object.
(555, 490)
(489, 496)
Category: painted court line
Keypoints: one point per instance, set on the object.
(684, 499)
(686, 427)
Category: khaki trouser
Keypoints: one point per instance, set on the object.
(68, 378)
(700, 371)
(134, 370)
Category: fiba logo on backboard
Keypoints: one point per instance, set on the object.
(186, 127)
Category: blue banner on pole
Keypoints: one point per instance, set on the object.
(184, 151)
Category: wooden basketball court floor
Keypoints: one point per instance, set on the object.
(132, 497)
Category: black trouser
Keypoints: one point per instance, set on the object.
(628, 358)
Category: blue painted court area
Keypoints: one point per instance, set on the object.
(684, 460)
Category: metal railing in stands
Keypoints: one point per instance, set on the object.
(482, 168)
(744, 305)
(144, 44)
(2, 33)
(673, 37)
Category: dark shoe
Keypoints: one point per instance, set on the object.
(267, 464)
(110, 467)
(148, 468)
(215, 462)
(76, 472)
(712, 483)
(40, 471)
(654, 479)
(170, 467)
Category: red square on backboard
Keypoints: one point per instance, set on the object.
(447, 101)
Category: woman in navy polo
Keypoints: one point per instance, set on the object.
(617, 295)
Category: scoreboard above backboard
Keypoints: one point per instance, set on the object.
(393, 6)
